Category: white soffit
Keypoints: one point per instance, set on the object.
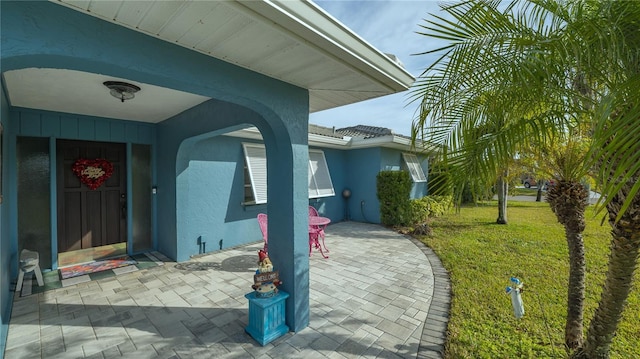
(293, 41)
(49, 89)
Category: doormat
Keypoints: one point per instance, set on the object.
(97, 266)
(53, 281)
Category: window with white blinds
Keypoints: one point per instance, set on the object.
(255, 157)
(320, 184)
(417, 174)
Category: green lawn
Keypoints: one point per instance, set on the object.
(521, 191)
(481, 256)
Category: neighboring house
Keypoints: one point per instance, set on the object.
(192, 72)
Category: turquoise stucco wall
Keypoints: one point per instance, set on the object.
(193, 146)
(215, 177)
(35, 36)
(362, 169)
(214, 173)
(333, 207)
(357, 171)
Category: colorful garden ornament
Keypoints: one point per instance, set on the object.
(266, 280)
(516, 298)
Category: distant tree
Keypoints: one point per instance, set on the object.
(502, 189)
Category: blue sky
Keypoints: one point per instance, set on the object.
(391, 27)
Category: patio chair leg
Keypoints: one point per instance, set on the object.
(322, 252)
(325, 246)
(323, 243)
(314, 241)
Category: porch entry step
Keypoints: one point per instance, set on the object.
(52, 279)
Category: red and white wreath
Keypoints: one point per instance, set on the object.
(93, 173)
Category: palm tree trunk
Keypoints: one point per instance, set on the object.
(503, 189)
(569, 200)
(625, 248)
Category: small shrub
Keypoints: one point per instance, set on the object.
(429, 206)
(422, 229)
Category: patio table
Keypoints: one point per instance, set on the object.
(316, 226)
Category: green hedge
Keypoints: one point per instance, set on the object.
(393, 190)
(396, 209)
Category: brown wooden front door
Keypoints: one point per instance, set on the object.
(87, 217)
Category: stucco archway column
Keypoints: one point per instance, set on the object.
(285, 134)
(288, 191)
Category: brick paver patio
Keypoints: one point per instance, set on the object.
(379, 295)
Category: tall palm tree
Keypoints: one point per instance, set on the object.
(614, 81)
(569, 199)
(535, 69)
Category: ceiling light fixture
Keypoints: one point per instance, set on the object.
(122, 90)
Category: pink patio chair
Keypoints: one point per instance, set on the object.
(262, 221)
(313, 211)
(315, 232)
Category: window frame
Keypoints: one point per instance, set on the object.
(319, 182)
(259, 196)
(415, 169)
(324, 167)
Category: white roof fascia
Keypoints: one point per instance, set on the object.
(328, 142)
(318, 28)
(314, 139)
(345, 143)
(391, 141)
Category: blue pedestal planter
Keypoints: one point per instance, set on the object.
(267, 317)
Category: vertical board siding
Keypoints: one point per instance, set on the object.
(117, 130)
(86, 130)
(30, 124)
(145, 134)
(68, 127)
(131, 132)
(50, 124)
(102, 131)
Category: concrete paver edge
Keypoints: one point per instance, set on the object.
(432, 342)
